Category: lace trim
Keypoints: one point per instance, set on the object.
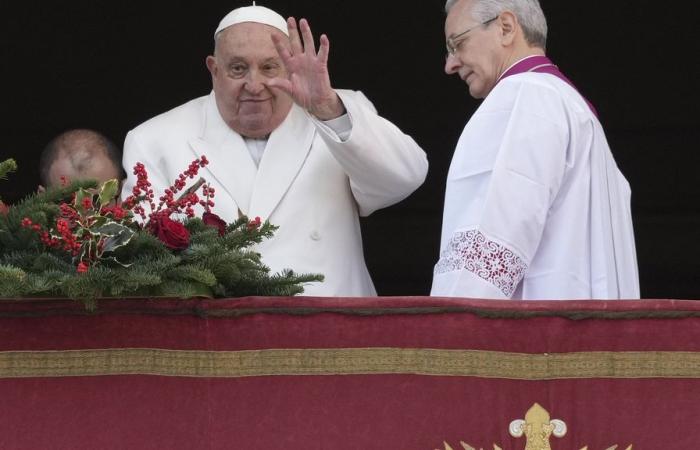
(495, 263)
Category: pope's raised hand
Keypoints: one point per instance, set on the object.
(308, 81)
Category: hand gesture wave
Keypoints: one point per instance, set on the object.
(309, 83)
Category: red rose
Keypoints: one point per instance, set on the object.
(212, 220)
(170, 232)
(4, 209)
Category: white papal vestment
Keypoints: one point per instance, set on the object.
(309, 181)
(535, 206)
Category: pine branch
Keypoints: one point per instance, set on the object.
(194, 273)
(45, 284)
(7, 166)
(286, 283)
(11, 281)
(239, 235)
(183, 289)
(134, 283)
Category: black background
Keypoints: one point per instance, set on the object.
(112, 65)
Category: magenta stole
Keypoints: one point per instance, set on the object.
(542, 64)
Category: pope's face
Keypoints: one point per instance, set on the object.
(478, 57)
(244, 61)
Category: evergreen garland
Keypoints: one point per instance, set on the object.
(115, 256)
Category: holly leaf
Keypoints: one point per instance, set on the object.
(79, 197)
(116, 261)
(118, 235)
(108, 191)
(97, 223)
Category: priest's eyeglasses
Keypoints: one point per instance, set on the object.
(453, 41)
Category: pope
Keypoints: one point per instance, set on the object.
(286, 146)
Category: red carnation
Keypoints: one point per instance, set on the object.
(212, 220)
(172, 233)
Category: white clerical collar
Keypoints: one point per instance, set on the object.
(256, 148)
(514, 64)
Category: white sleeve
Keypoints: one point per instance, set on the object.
(135, 153)
(341, 126)
(491, 248)
(383, 164)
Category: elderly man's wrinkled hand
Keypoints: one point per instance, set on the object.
(309, 82)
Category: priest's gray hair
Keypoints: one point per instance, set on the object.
(528, 12)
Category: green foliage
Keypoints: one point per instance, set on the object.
(7, 166)
(133, 262)
(12, 280)
(42, 208)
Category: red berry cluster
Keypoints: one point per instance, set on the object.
(87, 203)
(254, 224)
(27, 223)
(208, 193)
(116, 211)
(68, 212)
(70, 243)
(168, 203)
(66, 239)
(141, 191)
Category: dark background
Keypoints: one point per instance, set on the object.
(111, 65)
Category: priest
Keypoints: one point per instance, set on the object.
(535, 206)
(285, 146)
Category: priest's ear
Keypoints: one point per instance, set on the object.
(509, 27)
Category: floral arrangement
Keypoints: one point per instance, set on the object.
(78, 241)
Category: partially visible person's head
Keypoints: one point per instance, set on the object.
(244, 60)
(79, 155)
(484, 37)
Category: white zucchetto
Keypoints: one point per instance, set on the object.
(257, 14)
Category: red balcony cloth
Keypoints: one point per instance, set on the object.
(379, 410)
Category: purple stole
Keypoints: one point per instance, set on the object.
(542, 64)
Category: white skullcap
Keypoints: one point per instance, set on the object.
(257, 14)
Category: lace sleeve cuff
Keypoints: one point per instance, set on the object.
(487, 259)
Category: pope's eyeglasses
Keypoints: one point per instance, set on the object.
(453, 41)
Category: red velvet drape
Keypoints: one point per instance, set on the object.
(652, 401)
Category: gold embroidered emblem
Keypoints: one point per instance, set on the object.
(537, 428)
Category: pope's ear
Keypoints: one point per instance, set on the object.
(211, 65)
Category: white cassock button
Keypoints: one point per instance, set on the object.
(316, 236)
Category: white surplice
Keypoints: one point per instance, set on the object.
(535, 206)
(309, 181)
